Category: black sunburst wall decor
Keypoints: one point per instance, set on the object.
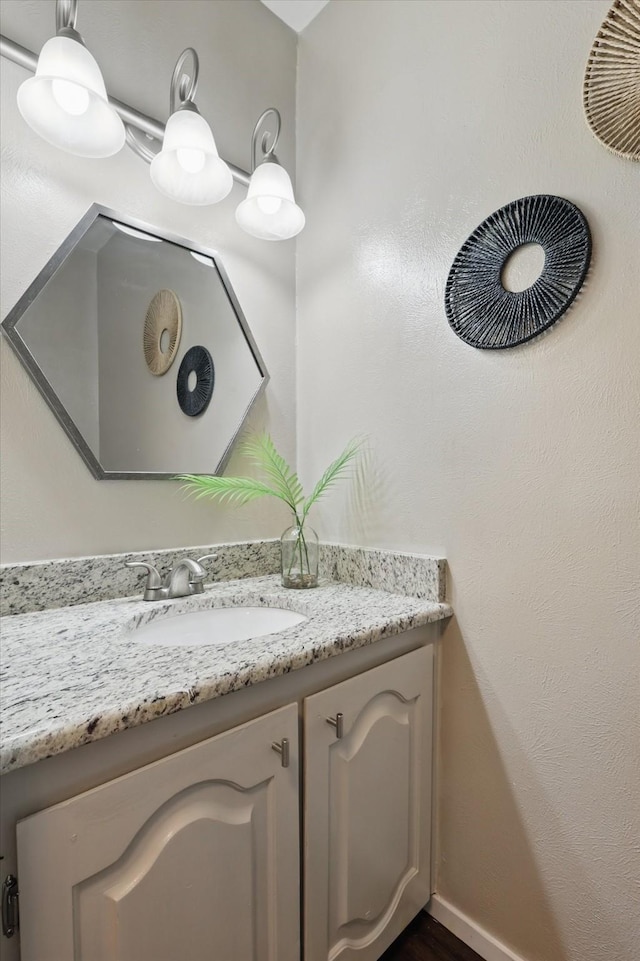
(197, 361)
(478, 307)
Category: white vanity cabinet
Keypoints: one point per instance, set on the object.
(196, 856)
(367, 823)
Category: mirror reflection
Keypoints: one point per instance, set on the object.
(137, 342)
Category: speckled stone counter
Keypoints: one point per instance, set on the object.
(77, 674)
(41, 585)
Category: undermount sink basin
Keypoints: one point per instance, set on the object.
(214, 626)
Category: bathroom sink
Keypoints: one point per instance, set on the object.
(216, 626)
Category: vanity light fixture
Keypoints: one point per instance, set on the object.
(188, 168)
(68, 105)
(66, 102)
(270, 211)
(207, 261)
(140, 234)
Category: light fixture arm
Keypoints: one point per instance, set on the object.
(66, 19)
(66, 14)
(184, 83)
(143, 144)
(267, 152)
(182, 91)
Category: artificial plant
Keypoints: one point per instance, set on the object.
(278, 480)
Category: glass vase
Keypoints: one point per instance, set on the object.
(299, 556)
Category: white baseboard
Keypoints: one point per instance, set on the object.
(468, 931)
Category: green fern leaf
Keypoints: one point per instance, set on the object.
(233, 490)
(333, 473)
(261, 450)
(280, 480)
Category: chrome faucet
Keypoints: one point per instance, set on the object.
(185, 578)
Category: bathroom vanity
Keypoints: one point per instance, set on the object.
(288, 809)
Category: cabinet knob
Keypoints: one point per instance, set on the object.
(338, 723)
(282, 748)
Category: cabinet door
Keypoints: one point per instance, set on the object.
(367, 823)
(192, 858)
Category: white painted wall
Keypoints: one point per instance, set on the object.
(52, 506)
(415, 121)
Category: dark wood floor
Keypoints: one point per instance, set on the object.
(427, 940)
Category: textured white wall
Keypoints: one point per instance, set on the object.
(52, 506)
(415, 121)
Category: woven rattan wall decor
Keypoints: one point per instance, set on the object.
(478, 307)
(197, 361)
(164, 316)
(611, 89)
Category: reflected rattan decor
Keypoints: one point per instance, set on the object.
(611, 90)
(479, 308)
(163, 314)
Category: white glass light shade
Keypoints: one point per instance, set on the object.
(270, 211)
(66, 101)
(188, 168)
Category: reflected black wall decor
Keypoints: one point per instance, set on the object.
(198, 361)
(486, 315)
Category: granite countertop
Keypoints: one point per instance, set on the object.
(74, 674)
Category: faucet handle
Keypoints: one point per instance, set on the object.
(205, 557)
(153, 578)
(153, 584)
(196, 582)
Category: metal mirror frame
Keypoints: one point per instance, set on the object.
(8, 327)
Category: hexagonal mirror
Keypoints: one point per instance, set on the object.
(138, 344)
